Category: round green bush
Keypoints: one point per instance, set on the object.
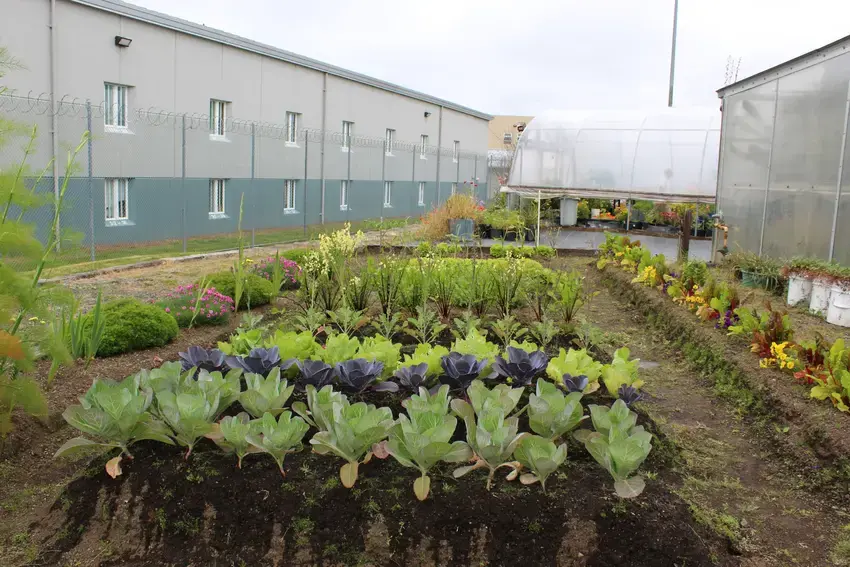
(297, 255)
(132, 325)
(256, 291)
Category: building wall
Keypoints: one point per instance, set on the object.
(169, 155)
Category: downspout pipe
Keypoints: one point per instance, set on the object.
(54, 122)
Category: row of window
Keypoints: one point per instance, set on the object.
(116, 111)
(116, 197)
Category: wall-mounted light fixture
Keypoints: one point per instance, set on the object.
(427, 114)
(123, 41)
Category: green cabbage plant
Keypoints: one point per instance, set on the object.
(618, 445)
(267, 394)
(422, 438)
(492, 436)
(231, 434)
(575, 363)
(347, 430)
(501, 396)
(551, 414)
(541, 456)
(278, 437)
(116, 415)
(621, 371)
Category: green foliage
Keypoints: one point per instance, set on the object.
(540, 455)
(575, 363)
(231, 435)
(339, 348)
(81, 340)
(551, 414)
(278, 438)
(763, 328)
(422, 438)
(242, 342)
(132, 325)
(265, 395)
(477, 344)
(292, 344)
(695, 272)
(833, 382)
(430, 354)
(256, 290)
(346, 319)
(582, 210)
(426, 326)
(501, 397)
(618, 445)
(621, 371)
(297, 255)
(569, 295)
(543, 332)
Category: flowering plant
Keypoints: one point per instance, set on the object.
(213, 308)
(289, 271)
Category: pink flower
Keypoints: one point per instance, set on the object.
(167, 310)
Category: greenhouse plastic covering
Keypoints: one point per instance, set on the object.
(668, 154)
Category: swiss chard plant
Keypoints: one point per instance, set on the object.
(575, 363)
(278, 437)
(763, 328)
(621, 371)
(551, 414)
(346, 430)
(833, 381)
(618, 445)
(115, 415)
(541, 456)
(422, 438)
(264, 395)
(521, 366)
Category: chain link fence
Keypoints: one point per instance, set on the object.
(151, 183)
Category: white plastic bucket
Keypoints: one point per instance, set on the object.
(839, 307)
(820, 297)
(594, 213)
(799, 289)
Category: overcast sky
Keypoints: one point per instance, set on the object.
(524, 57)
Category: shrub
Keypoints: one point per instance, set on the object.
(289, 270)
(132, 325)
(257, 290)
(544, 252)
(297, 255)
(582, 211)
(435, 225)
(214, 308)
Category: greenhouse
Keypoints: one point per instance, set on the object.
(784, 187)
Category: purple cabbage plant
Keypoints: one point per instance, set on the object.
(521, 366)
(358, 375)
(461, 369)
(313, 372)
(412, 377)
(575, 383)
(629, 394)
(198, 357)
(260, 361)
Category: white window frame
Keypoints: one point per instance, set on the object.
(289, 188)
(347, 129)
(454, 187)
(421, 202)
(112, 189)
(218, 119)
(389, 143)
(218, 188)
(423, 142)
(292, 120)
(344, 186)
(455, 151)
(388, 194)
(115, 106)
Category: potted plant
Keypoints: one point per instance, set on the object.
(801, 273)
(462, 211)
(838, 312)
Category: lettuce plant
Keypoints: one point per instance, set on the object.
(502, 397)
(360, 374)
(492, 437)
(575, 363)
(421, 438)
(116, 415)
(621, 371)
(278, 437)
(339, 348)
(430, 354)
(231, 434)
(198, 357)
(267, 394)
(383, 350)
(314, 373)
(551, 414)
(347, 430)
(460, 370)
(412, 377)
(477, 345)
(521, 367)
(242, 342)
(541, 456)
(618, 445)
(296, 345)
(259, 361)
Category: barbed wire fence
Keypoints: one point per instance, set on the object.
(155, 182)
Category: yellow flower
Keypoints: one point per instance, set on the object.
(33, 319)
(790, 365)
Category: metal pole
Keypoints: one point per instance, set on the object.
(306, 147)
(91, 182)
(840, 175)
(439, 152)
(384, 181)
(54, 124)
(251, 193)
(413, 194)
(769, 165)
(673, 51)
(348, 177)
(183, 180)
(629, 215)
(475, 176)
(322, 151)
(537, 243)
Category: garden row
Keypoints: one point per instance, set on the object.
(822, 366)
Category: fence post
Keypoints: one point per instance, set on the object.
(348, 177)
(415, 193)
(183, 179)
(383, 191)
(91, 182)
(251, 193)
(475, 177)
(306, 148)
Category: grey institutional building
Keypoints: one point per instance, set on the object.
(187, 121)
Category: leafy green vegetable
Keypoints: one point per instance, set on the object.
(621, 371)
(431, 354)
(294, 345)
(231, 434)
(383, 350)
(339, 348)
(575, 363)
(551, 414)
(242, 342)
(541, 456)
(424, 401)
(476, 344)
(502, 397)
(278, 438)
(421, 438)
(265, 394)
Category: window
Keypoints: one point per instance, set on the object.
(343, 195)
(423, 140)
(454, 188)
(115, 196)
(388, 194)
(216, 196)
(347, 127)
(292, 127)
(421, 193)
(115, 105)
(289, 195)
(218, 117)
(390, 142)
(455, 151)
(507, 138)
